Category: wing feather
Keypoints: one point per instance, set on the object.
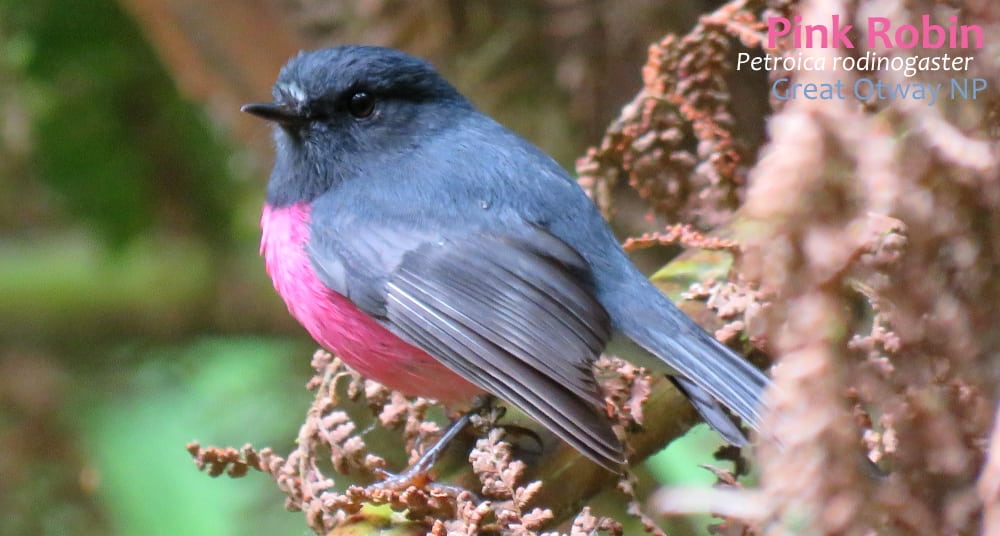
(513, 312)
(518, 322)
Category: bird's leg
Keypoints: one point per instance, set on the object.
(418, 473)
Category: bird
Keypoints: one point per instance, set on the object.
(438, 252)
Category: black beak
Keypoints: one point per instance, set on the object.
(279, 113)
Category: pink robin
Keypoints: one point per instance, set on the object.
(440, 254)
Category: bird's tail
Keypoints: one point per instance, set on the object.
(710, 410)
(704, 365)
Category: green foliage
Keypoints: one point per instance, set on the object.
(137, 421)
(111, 135)
(679, 465)
(71, 281)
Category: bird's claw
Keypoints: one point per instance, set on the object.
(415, 475)
(419, 474)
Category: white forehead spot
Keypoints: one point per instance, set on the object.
(293, 90)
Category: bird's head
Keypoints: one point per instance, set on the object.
(337, 110)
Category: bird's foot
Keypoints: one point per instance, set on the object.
(419, 473)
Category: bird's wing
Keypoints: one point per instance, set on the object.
(512, 313)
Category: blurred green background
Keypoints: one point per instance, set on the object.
(135, 314)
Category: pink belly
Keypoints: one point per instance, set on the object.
(339, 326)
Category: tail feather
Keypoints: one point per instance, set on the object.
(705, 366)
(711, 411)
(711, 365)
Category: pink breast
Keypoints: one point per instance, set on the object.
(339, 326)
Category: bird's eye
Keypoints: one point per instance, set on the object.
(361, 104)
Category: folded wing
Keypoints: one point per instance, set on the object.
(514, 314)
